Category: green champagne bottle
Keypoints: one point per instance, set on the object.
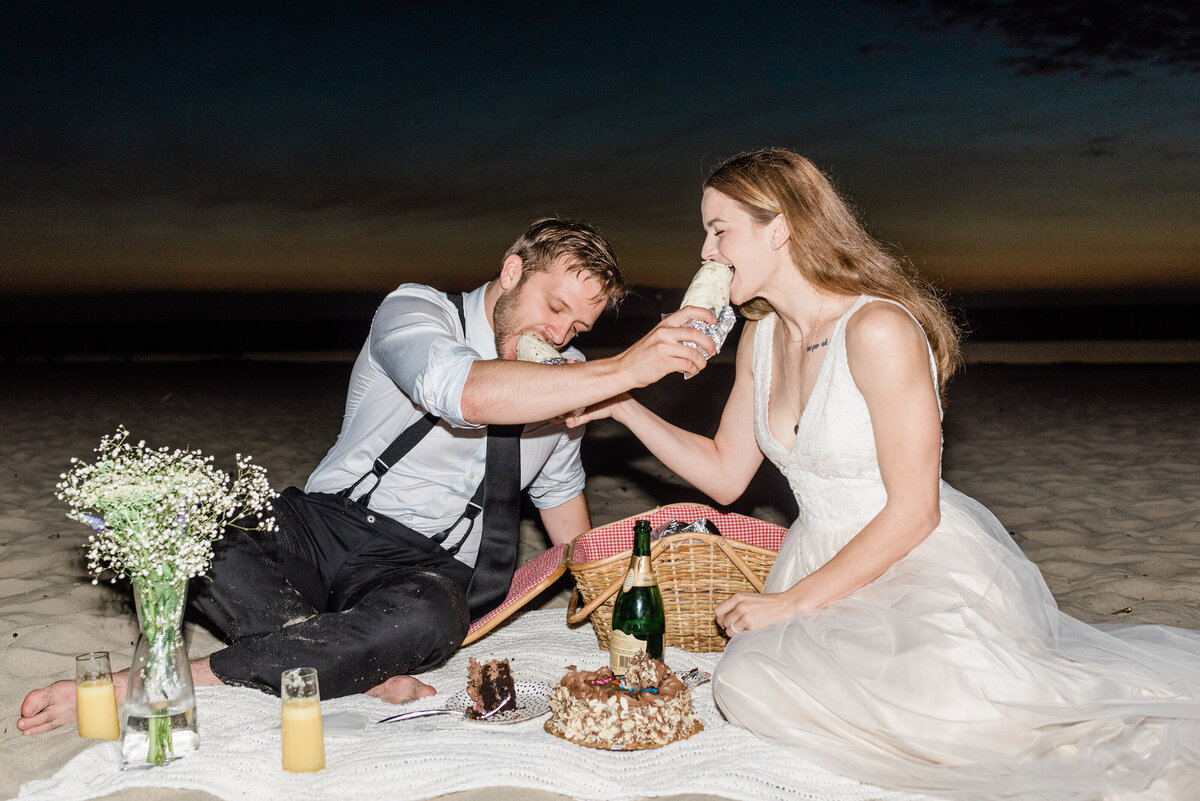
(638, 621)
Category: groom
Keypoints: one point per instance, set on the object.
(407, 529)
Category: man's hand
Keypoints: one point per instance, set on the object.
(662, 351)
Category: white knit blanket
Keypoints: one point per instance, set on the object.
(239, 756)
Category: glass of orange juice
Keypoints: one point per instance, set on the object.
(95, 699)
(303, 736)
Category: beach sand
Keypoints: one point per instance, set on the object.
(1092, 467)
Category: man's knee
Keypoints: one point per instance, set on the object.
(424, 621)
(442, 603)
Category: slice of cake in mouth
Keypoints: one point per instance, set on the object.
(649, 709)
(490, 686)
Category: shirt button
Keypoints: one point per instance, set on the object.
(408, 518)
(470, 475)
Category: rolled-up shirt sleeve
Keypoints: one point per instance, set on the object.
(562, 477)
(415, 341)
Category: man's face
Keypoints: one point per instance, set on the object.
(556, 304)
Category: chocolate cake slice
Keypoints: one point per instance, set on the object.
(490, 685)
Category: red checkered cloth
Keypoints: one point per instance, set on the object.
(617, 536)
(612, 538)
(534, 576)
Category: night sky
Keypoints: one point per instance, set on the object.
(1001, 144)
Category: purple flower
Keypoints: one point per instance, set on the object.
(94, 522)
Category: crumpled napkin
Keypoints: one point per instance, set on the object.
(345, 724)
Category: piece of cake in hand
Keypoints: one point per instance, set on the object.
(490, 686)
(652, 707)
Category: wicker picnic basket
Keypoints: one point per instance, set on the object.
(695, 571)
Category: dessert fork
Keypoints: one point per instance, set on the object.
(424, 713)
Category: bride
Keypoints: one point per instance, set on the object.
(902, 638)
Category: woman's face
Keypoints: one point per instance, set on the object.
(737, 239)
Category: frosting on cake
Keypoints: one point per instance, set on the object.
(651, 708)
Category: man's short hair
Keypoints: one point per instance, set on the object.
(551, 238)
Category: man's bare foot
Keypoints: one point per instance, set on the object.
(399, 690)
(54, 706)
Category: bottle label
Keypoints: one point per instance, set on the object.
(622, 648)
(640, 575)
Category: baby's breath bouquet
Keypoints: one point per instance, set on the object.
(156, 514)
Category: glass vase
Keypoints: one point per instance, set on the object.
(160, 700)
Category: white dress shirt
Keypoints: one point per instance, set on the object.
(415, 360)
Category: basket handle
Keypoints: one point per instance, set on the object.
(740, 564)
(576, 617)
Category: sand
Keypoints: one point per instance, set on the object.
(1091, 466)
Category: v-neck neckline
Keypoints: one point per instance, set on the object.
(800, 422)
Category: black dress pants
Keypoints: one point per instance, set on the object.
(337, 587)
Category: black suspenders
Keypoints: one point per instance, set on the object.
(404, 443)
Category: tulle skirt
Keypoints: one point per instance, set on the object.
(955, 674)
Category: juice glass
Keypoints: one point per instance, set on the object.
(303, 737)
(95, 699)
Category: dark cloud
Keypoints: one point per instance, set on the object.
(1101, 38)
(881, 48)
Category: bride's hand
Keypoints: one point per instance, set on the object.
(746, 611)
(597, 411)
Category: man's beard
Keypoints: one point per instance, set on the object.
(504, 322)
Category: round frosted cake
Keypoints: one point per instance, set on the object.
(649, 708)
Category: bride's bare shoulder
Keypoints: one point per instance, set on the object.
(883, 339)
(881, 324)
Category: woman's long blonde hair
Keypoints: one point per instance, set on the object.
(829, 246)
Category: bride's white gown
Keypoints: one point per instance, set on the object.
(953, 673)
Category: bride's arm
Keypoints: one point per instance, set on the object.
(721, 467)
(889, 362)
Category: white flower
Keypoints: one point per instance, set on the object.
(158, 511)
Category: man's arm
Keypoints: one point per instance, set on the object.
(504, 391)
(414, 340)
(567, 521)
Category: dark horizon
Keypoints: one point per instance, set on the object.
(124, 325)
